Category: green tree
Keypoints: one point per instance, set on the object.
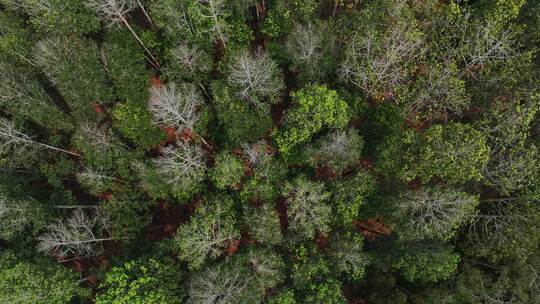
(383, 50)
(39, 282)
(349, 195)
(455, 152)
(433, 213)
(338, 150)
(142, 281)
(18, 214)
(61, 57)
(209, 232)
(431, 262)
(228, 171)
(314, 107)
(240, 123)
(263, 224)
(307, 209)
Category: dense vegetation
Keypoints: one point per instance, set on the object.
(269, 151)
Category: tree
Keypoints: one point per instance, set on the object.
(209, 232)
(57, 16)
(263, 224)
(39, 282)
(25, 97)
(115, 11)
(183, 167)
(141, 281)
(349, 195)
(257, 79)
(307, 210)
(189, 62)
(454, 152)
(337, 150)
(313, 277)
(514, 159)
(134, 121)
(506, 229)
(15, 142)
(18, 214)
(128, 214)
(381, 54)
(257, 153)
(225, 283)
(433, 213)
(176, 107)
(194, 21)
(348, 255)
(312, 50)
(314, 106)
(267, 267)
(125, 62)
(61, 57)
(228, 171)
(80, 234)
(240, 122)
(437, 94)
(96, 180)
(430, 263)
(99, 146)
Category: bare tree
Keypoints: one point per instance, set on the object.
(216, 13)
(307, 210)
(310, 47)
(189, 61)
(507, 227)
(80, 234)
(96, 180)
(14, 216)
(15, 142)
(379, 62)
(176, 106)
(256, 77)
(115, 11)
(182, 165)
(257, 153)
(438, 93)
(224, 283)
(433, 213)
(338, 150)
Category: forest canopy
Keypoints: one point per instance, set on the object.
(269, 151)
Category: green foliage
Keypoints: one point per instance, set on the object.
(125, 62)
(209, 232)
(61, 16)
(129, 214)
(263, 224)
(312, 276)
(314, 107)
(349, 195)
(228, 171)
(134, 122)
(40, 282)
(348, 255)
(240, 122)
(307, 209)
(337, 151)
(72, 64)
(16, 39)
(429, 263)
(284, 297)
(433, 213)
(141, 282)
(455, 152)
(18, 214)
